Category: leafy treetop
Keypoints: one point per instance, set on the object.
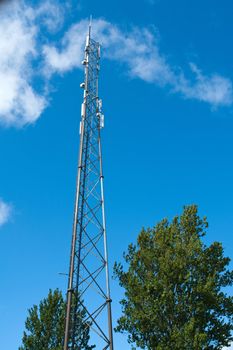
(174, 288)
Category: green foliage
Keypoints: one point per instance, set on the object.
(45, 326)
(174, 296)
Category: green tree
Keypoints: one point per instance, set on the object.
(45, 326)
(174, 288)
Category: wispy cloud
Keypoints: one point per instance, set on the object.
(50, 14)
(19, 103)
(139, 51)
(229, 347)
(213, 89)
(68, 53)
(5, 212)
(20, 54)
(23, 52)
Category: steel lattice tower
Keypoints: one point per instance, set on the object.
(88, 274)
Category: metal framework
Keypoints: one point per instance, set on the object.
(88, 291)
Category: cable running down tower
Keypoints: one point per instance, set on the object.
(88, 273)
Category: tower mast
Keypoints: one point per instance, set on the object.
(88, 285)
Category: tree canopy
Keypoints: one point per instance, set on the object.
(174, 284)
(45, 326)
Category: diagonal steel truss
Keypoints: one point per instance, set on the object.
(88, 274)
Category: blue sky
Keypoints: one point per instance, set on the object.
(166, 83)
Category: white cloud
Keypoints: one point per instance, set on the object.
(139, 51)
(5, 212)
(19, 102)
(214, 89)
(22, 54)
(70, 53)
(50, 14)
(228, 348)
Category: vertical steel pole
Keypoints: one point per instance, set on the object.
(106, 251)
(70, 289)
(73, 246)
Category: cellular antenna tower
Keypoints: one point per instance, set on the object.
(88, 273)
